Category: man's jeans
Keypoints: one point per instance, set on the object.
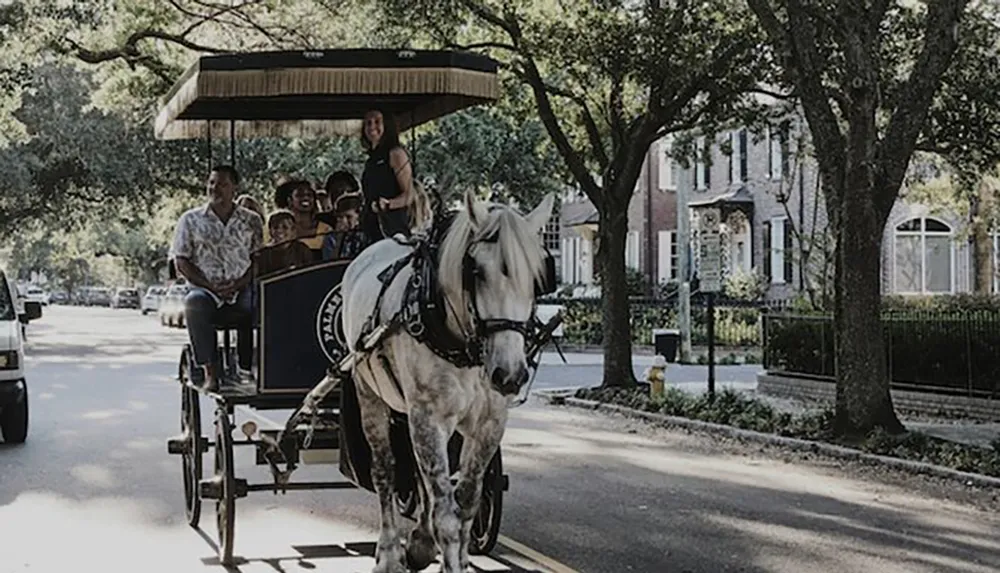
(202, 315)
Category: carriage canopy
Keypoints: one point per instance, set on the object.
(321, 93)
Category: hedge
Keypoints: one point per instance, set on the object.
(951, 350)
(734, 326)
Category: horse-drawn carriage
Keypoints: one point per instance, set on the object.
(304, 360)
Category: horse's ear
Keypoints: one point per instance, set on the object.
(541, 214)
(477, 212)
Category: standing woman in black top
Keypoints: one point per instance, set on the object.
(387, 181)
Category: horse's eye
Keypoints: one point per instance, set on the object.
(503, 269)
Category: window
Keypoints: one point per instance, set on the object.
(667, 165)
(777, 251)
(571, 260)
(738, 157)
(703, 171)
(7, 311)
(550, 234)
(923, 257)
(668, 261)
(777, 165)
(632, 250)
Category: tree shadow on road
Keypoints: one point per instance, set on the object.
(626, 500)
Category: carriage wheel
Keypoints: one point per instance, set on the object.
(486, 524)
(191, 460)
(225, 507)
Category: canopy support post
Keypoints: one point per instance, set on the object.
(208, 141)
(232, 143)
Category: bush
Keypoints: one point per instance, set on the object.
(950, 348)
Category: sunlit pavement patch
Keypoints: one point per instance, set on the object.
(44, 532)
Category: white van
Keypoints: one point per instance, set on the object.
(13, 389)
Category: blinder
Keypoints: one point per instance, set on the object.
(487, 326)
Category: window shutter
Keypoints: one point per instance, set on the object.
(767, 251)
(743, 155)
(787, 253)
(733, 174)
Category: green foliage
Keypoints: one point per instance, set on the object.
(945, 346)
(748, 286)
(734, 326)
(489, 151)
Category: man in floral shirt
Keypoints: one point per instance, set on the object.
(213, 249)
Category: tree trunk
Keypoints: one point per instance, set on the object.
(614, 291)
(863, 399)
(982, 249)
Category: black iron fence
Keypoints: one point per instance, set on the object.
(737, 323)
(954, 352)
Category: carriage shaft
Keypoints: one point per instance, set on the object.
(304, 485)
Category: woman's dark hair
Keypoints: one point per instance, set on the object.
(283, 194)
(341, 182)
(349, 202)
(390, 132)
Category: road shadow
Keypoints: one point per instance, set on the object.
(644, 506)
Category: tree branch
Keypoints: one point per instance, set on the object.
(805, 59)
(577, 166)
(907, 121)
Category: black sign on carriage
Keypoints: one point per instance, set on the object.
(300, 328)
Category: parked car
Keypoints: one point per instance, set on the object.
(37, 294)
(59, 297)
(151, 300)
(13, 387)
(99, 297)
(125, 298)
(172, 305)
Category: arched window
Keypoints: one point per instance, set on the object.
(924, 257)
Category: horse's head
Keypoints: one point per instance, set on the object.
(491, 259)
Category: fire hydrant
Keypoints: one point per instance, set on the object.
(656, 375)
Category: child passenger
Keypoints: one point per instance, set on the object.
(283, 251)
(348, 214)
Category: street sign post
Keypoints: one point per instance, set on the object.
(710, 278)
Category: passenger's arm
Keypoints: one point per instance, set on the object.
(400, 164)
(193, 274)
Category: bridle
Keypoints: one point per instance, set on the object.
(471, 275)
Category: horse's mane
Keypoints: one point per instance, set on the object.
(518, 245)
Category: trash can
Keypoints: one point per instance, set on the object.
(666, 341)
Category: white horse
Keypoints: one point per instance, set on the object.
(489, 261)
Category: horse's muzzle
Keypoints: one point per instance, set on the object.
(508, 383)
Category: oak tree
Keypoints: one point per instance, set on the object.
(608, 78)
(866, 74)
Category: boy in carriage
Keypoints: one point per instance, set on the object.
(283, 251)
(348, 241)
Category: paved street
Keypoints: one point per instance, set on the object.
(94, 489)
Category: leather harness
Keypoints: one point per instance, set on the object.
(424, 311)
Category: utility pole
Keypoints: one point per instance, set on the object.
(684, 183)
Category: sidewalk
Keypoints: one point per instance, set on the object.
(583, 369)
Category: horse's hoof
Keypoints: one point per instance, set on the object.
(420, 551)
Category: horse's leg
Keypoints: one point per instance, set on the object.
(375, 421)
(429, 433)
(420, 547)
(480, 441)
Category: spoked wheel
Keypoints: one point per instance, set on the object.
(225, 507)
(191, 460)
(486, 524)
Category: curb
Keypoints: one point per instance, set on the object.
(797, 444)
